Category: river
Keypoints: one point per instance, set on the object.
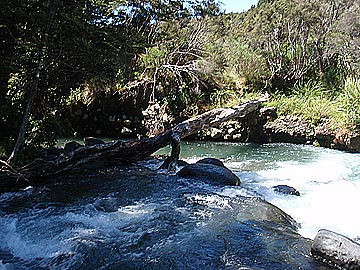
(131, 217)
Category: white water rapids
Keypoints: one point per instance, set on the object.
(328, 181)
(131, 217)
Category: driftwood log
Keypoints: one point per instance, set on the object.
(122, 152)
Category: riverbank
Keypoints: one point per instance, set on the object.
(264, 126)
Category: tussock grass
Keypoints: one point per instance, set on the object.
(314, 103)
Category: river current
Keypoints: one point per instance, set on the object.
(132, 217)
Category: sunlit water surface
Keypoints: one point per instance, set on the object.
(135, 218)
(328, 180)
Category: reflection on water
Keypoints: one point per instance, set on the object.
(134, 218)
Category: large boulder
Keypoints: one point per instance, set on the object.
(210, 173)
(336, 249)
(213, 161)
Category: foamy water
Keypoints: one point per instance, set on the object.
(150, 222)
(329, 185)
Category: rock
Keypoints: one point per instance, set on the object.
(51, 153)
(215, 133)
(287, 190)
(126, 131)
(354, 144)
(210, 173)
(71, 146)
(89, 141)
(237, 137)
(336, 249)
(166, 163)
(231, 131)
(213, 161)
(290, 129)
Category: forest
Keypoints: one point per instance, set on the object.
(187, 55)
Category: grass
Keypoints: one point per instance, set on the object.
(314, 103)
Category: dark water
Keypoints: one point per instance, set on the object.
(136, 218)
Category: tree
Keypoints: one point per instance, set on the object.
(34, 87)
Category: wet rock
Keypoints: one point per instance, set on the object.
(71, 146)
(89, 141)
(336, 249)
(287, 190)
(210, 173)
(167, 160)
(213, 161)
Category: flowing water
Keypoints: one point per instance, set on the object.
(136, 218)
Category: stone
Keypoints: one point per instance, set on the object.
(287, 190)
(336, 250)
(231, 131)
(237, 137)
(215, 133)
(126, 131)
(89, 141)
(354, 144)
(71, 146)
(213, 161)
(210, 173)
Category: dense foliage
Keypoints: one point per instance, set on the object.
(301, 52)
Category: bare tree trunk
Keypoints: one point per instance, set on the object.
(127, 152)
(33, 89)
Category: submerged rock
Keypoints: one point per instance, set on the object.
(210, 173)
(89, 141)
(287, 190)
(336, 249)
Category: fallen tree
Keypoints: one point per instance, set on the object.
(121, 152)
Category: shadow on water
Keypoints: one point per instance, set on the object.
(134, 218)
